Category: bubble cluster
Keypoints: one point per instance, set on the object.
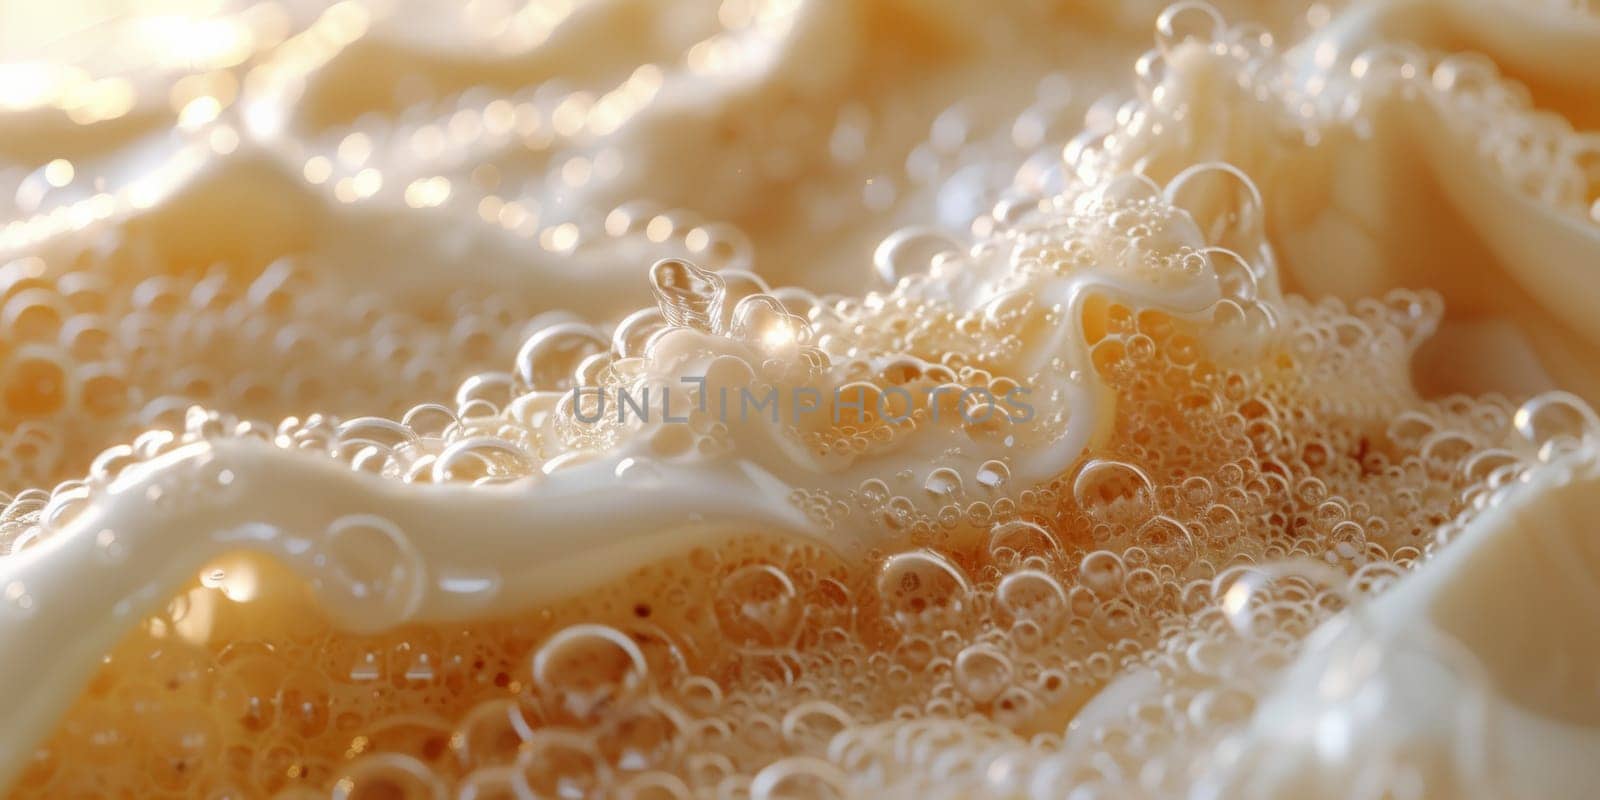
(92, 361)
(1541, 153)
(1255, 465)
(783, 670)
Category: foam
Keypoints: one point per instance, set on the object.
(1227, 501)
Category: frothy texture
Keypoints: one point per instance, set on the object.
(416, 440)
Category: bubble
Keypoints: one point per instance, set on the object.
(549, 358)
(1102, 572)
(388, 775)
(1555, 422)
(943, 482)
(629, 338)
(245, 692)
(1023, 538)
(557, 763)
(688, 296)
(491, 734)
(813, 724)
(482, 460)
(798, 777)
(36, 383)
(1224, 202)
(1242, 596)
(32, 315)
(762, 320)
(993, 474)
(1031, 594)
(1167, 540)
(874, 493)
(911, 251)
(374, 577)
(1235, 278)
(921, 584)
(586, 668)
(757, 605)
(982, 672)
(1188, 21)
(494, 388)
(1113, 490)
(643, 735)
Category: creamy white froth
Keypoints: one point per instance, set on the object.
(803, 398)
